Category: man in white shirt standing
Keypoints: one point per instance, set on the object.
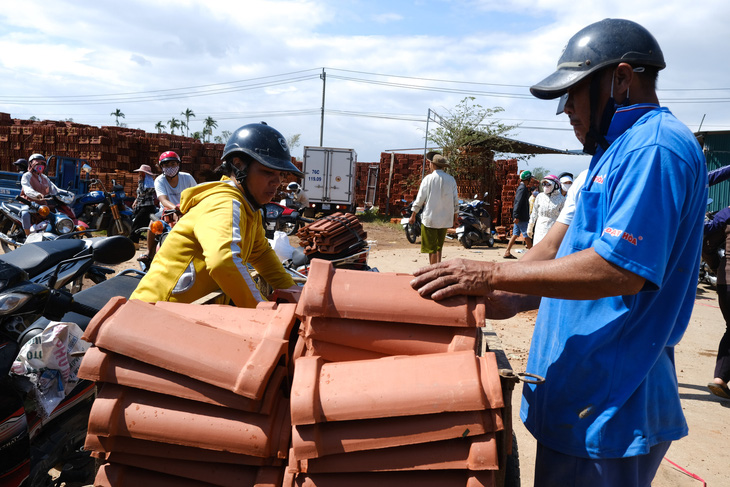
(440, 202)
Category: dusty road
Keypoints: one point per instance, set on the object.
(703, 453)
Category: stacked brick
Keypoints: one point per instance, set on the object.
(389, 390)
(205, 399)
(110, 151)
(506, 172)
(332, 234)
(405, 179)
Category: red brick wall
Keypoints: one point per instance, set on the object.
(499, 181)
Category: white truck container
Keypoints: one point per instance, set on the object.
(329, 179)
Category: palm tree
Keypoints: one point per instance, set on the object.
(159, 126)
(116, 114)
(187, 114)
(173, 123)
(208, 125)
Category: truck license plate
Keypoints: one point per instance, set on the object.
(325, 206)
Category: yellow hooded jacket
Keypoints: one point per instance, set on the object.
(208, 250)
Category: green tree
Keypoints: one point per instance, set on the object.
(469, 137)
(173, 123)
(159, 126)
(117, 114)
(188, 114)
(293, 141)
(539, 172)
(198, 135)
(33, 118)
(208, 125)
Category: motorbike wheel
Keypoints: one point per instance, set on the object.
(411, 233)
(465, 242)
(490, 241)
(112, 230)
(17, 234)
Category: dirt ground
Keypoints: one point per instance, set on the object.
(703, 453)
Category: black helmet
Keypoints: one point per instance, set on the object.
(21, 164)
(605, 43)
(265, 144)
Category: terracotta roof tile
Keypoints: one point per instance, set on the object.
(388, 338)
(221, 474)
(472, 453)
(343, 293)
(123, 411)
(101, 445)
(318, 440)
(432, 478)
(103, 366)
(114, 475)
(227, 359)
(393, 386)
(332, 352)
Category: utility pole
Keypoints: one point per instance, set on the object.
(323, 77)
(439, 120)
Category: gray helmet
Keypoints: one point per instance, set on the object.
(605, 43)
(265, 144)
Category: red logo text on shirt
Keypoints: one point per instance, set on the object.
(614, 232)
(599, 179)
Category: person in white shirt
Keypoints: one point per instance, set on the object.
(440, 202)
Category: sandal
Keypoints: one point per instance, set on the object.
(719, 390)
(508, 256)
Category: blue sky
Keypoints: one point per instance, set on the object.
(387, 64)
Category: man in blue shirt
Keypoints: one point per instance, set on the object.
(618, 296)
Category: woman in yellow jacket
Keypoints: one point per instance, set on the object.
(221, 229)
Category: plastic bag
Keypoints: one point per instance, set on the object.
(51, 362)
(282, 247)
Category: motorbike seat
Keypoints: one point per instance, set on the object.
(94, 297)
(37, 257)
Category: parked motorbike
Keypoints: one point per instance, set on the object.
(412, 231)
(475, 224)
(160, 229)
(280, 218)
(105, 210)
(49, 221)
(31, 441)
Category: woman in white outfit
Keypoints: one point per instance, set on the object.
(546, 208)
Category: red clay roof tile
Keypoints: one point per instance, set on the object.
(393, 386)
(432, 478)
(103, 366)
(101, 445)
(221, 474)
(317, 440)
(472, 453)
(388, 338)
(332, 352)
(379, 296)
(199, 350)
(114, 475)
(123, 411)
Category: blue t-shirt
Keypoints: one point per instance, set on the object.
(611, 387)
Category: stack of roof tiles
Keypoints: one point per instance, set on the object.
(385, 389)
(390, 390)
(332, 234)
(189, 392)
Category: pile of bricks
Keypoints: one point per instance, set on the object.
(405, 179)
(332, 234)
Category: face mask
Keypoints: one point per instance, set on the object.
(547, 189)
(611, 107)
(40, 168)
(170, 171)
(565, 187)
